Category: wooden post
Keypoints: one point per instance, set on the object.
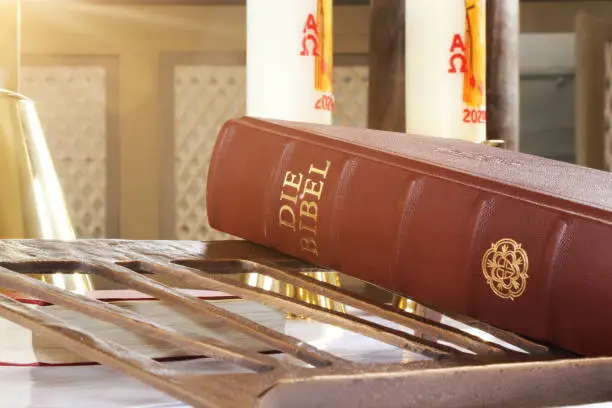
(503, 72)
(386, 94)
(9, 44)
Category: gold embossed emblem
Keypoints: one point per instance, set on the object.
(505, 266)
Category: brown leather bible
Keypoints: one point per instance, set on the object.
(521, 242)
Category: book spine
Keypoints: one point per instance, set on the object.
(442, 242)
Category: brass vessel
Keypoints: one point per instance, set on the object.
(32, 203)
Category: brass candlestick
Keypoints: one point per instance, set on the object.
(32, 203)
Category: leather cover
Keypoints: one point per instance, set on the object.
(518, 241)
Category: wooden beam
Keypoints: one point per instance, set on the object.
(593, 31)
(386, 94)
(503, 72)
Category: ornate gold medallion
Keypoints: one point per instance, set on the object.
(505, 266)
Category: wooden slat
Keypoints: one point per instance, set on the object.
(282, 342)
(111, 313)
(204, 280)
(390, 313)
(90, 346)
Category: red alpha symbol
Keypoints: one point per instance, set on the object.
(457, 59)
(317, 43)
(311, 37)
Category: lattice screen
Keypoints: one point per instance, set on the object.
(205, 97)
(608, 107)
(351, 95)
(71, 103)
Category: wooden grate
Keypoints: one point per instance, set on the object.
(461, 368)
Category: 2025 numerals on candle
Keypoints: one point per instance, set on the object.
(326, 102)
(474, 115)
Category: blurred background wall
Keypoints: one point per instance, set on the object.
(131, 98)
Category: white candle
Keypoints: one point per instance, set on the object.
(290, 60)
(446, 68)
